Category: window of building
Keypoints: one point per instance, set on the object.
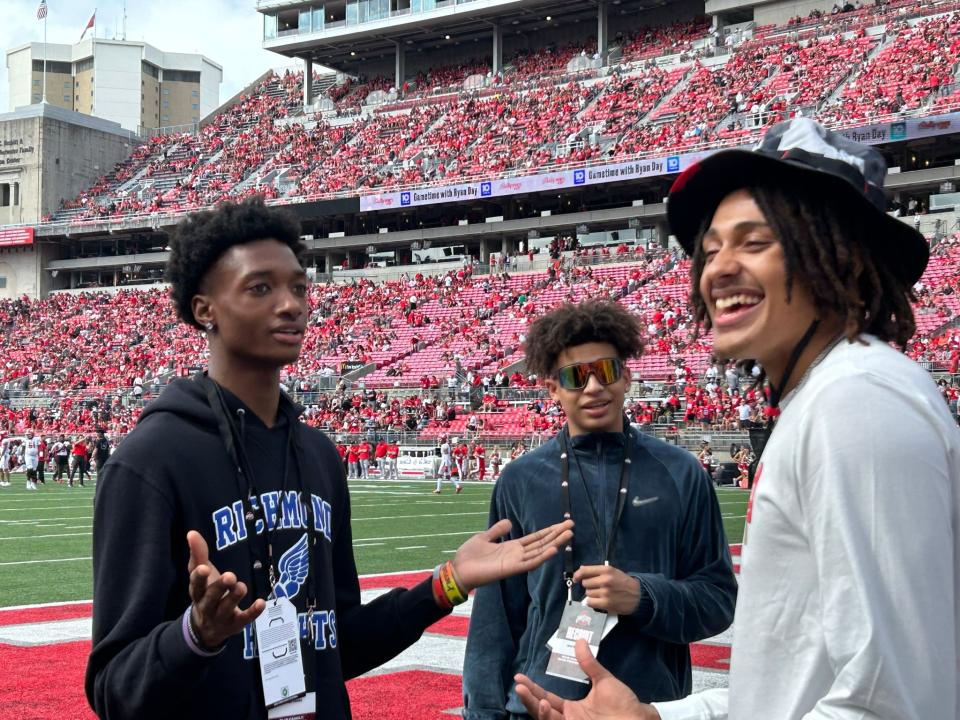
(150, 69)
(36, 82)
(166, 103)
(269, 27)
(61, 68)
(166, 91)
(66, 98)
(9, 194)
(195, 106)
(84, 65)
(3, 282)
(186, 76)
(288, 22)
(36, 98)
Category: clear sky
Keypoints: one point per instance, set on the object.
(229, 32)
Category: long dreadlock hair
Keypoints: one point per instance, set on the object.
(827, 249)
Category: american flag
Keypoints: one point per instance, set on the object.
(42, 10)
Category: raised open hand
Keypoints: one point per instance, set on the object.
(215, 615)
(484, 559)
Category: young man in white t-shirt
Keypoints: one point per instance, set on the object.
(849, 601)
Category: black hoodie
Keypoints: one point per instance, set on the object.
(173, 474)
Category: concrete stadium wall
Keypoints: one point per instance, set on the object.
(766, 12)
(514, 42)
(779, 13)
(20, 272)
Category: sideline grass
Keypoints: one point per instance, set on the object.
(397, 526)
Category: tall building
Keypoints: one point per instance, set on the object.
(131, 83)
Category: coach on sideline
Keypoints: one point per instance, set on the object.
(849, 604)
(224, 577)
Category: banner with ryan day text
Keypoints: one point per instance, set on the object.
(907, 129)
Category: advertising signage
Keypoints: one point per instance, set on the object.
(16, 236)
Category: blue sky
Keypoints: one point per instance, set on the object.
(226, 31)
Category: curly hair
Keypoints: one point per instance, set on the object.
(828, 250)
(569, 325)
(199, 241)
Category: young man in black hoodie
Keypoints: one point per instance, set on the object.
(222, 502)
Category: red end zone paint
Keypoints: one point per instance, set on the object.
(46, 614)
(404, 580)
(44, 683)
(412, 695)
(453, 625)
(710, 657)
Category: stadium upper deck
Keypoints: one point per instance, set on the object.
(664, 96)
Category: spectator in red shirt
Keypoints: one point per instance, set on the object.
(379, 454)
(480, 454)
(353, 460)
(80, 461)
(363, 452)
(393, 452)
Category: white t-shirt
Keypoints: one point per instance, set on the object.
(849, 599)
(744, 412)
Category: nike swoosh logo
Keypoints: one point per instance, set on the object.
(637, 502)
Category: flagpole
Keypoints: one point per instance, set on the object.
(44, 58)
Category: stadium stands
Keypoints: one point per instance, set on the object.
(75, 361)
(847, 68)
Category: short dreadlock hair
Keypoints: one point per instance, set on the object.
(827, 249)
(570, 325)
(199, 241)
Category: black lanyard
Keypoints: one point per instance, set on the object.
(246, 484)
(568, 568)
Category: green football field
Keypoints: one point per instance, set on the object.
(45, 535)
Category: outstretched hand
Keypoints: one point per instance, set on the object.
(484, 559)
(215, 597)
(609, 699)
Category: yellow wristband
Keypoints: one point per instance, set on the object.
(449, 584)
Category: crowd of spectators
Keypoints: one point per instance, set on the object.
(905, 74)
(435, 344)
(535, 113)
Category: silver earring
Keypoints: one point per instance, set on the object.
(209, 327)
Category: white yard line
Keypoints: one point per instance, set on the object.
(40, 562)
(54, 535)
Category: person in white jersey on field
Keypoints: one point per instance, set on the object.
(31, 458)
(446, 467)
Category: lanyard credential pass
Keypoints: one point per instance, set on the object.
(568, 568)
